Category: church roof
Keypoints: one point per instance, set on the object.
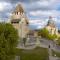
(19, 8)
(51, 22)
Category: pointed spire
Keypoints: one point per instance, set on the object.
(19, 8)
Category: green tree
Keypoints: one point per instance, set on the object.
(51, 37)
(44, 33)
(58, 41)
(8, 41)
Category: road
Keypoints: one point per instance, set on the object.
(32, 42)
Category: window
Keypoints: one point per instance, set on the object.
(17, 13)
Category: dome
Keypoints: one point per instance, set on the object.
(51, 22)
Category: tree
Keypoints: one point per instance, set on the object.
(8, 41)
(51, 37)
(44, 33)
(58, 41)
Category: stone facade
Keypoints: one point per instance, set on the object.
(20, 21)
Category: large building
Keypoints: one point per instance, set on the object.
(19, 21)
(51, 26)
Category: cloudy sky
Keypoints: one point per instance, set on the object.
(37, 11)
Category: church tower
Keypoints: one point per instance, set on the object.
(18, 12)
(51, 26)
(20, 21)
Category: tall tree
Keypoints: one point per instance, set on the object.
(8, 41)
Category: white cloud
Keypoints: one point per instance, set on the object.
(43, 3)
(38, 23)
(39, 27)
(35, 22)
(5, 5)
(57, 20)
(40, 12)
(53, 13)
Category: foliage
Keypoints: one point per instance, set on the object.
(52, 37)
(8, 41)
(44, 33)
(58, 41)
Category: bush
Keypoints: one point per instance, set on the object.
(58, 41)
(8, 41)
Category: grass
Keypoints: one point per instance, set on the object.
(55, 53)
(34, 54)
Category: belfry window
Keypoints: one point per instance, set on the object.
(17, 13)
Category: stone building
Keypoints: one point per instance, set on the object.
(51, 26)
(33, 33)
(20, 21)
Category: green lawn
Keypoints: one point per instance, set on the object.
(35, 54)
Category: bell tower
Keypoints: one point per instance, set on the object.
(18, 12)
(20, 21)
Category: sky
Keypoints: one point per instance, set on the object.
(37, 11)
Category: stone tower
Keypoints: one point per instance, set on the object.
(51, 26)
(20, 21)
